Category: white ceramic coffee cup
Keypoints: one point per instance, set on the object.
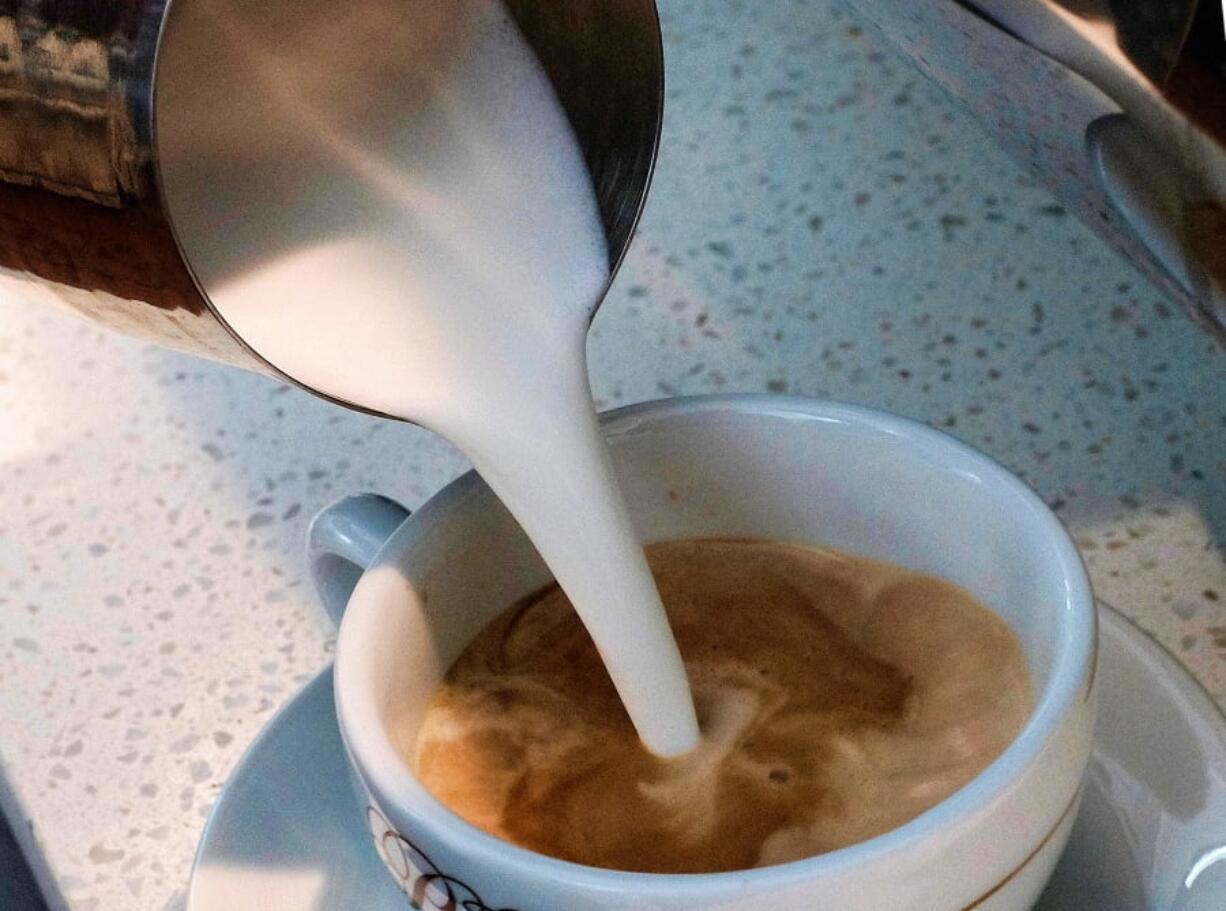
(729, 466)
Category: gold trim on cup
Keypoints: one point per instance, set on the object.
(1092, 671)
(1031, 856)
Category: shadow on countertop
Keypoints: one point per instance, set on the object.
(18, 891)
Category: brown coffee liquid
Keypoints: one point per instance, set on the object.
(839, 698)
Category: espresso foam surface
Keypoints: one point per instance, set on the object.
(839, 698)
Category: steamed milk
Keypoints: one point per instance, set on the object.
(446, 273)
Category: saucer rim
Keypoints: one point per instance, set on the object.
(1212, 709)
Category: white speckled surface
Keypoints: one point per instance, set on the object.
(823, 222)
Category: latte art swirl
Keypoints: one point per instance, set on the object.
(839, 698)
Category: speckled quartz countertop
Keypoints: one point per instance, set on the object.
(823, 222)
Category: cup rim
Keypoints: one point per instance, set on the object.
(378, 761)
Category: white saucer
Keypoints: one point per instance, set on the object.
(286, 833)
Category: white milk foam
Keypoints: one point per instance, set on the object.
(461, 301)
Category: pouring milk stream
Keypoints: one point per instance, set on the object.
(464, 309)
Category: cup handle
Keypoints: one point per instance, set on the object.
(342, 542)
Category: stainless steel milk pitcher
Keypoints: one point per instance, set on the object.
(102, 101)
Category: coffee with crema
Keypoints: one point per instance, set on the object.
(839, 698)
